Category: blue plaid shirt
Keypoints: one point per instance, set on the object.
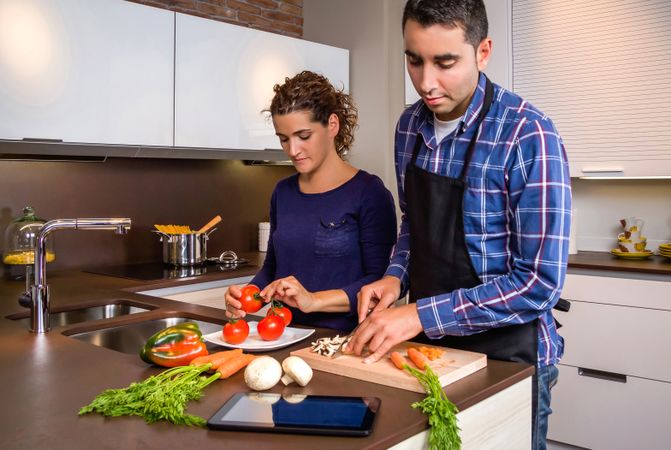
(517, 215)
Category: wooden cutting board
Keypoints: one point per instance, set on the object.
(453, 365)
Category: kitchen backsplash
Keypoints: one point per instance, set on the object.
(600, 204)
(149, 191)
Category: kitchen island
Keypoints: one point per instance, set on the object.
(48, 377)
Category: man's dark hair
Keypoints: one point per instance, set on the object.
(468, 14)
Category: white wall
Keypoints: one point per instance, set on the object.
(499, 16)
(371, 30)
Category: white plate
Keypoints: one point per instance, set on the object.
(254, 343)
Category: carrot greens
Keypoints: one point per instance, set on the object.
(159, 397)
(441, 412)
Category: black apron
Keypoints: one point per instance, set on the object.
(439, 259)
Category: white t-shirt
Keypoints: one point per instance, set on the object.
(443, 128)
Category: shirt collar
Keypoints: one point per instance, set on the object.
(424, 116)
(476, 103)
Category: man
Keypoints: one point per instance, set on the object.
(485, 193)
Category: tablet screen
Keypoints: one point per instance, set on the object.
(312, 414)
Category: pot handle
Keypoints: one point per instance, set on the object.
(211, 231)
(162, 235)
(229, 257)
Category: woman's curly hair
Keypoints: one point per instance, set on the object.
(308, 91)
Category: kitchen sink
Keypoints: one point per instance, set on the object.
(129, 338)
(97, 312)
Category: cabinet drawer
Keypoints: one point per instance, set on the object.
(618, 291)
(630, 341)
(600, 414)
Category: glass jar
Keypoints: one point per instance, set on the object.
(21, 238)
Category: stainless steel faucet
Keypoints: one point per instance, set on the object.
(39, 290)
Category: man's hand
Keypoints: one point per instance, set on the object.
(384, 329)
(378, 296)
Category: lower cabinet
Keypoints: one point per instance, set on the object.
(614, 386)
(599, 413)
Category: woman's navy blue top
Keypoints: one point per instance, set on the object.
(339, 239)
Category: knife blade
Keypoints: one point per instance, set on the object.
(338, 351)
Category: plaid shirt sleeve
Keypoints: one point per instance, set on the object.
(400, 258)
(538, 221)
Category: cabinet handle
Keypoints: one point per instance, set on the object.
(588, 170)
(32, 139)
(602, 375)
(605, 173)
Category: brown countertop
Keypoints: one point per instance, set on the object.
(605, 261)
(47, 378)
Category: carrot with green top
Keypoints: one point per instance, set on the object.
(216, 358)
(417, 358)
(231, 366)
(398, 360)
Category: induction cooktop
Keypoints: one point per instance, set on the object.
(159, 271)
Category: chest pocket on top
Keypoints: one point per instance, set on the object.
(485, 207)
(336, 237)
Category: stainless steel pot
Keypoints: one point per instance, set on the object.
(185, 249)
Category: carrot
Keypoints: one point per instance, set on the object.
(417, 358)
(231, 366)
(398, 360)
(431, 352)
(218, 362)
(214, 358)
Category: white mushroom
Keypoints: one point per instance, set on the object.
(294, 398)
(328, 346)
(268, 398)
(296, 369)
(263, 373)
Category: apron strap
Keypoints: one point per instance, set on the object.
(486, 104)
(415, 149)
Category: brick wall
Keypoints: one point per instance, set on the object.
(277, 16)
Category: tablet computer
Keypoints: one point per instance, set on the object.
(296, 413)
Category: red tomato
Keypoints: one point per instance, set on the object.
(251, 300)
(236, 331)
(270, 328)
(278, 309)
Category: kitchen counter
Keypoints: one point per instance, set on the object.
(47, 378)
(605, 261)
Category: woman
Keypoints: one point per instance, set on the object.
(332, 226)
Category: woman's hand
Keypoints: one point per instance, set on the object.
(233, 305)
(291, 292)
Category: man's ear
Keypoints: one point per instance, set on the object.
(483, 53)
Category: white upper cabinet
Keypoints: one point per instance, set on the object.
(224, 78)
(601, 71)
(86, 71)
(499, 68)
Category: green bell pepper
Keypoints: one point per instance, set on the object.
(174, 346)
